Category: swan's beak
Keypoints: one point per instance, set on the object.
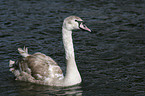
(84, 27)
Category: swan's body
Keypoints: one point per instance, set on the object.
(41, 69)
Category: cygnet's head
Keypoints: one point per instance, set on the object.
(74, 22)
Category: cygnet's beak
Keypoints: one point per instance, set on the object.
(84, 27)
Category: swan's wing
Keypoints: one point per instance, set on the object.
(42, 65)
(36, 67)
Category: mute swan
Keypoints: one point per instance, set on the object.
(41, 69)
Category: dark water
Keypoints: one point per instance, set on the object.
(111, 59)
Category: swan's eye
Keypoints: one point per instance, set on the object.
(80, 22)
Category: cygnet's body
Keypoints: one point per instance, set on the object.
(41, 69)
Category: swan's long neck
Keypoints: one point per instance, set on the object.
(72, 76)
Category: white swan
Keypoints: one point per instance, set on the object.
(41, 69)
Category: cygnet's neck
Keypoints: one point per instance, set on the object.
(72, 76)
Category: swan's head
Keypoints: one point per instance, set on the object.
(74, 22)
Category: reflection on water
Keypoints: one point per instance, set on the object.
(31, 89)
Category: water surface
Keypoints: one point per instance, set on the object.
(110, 59)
